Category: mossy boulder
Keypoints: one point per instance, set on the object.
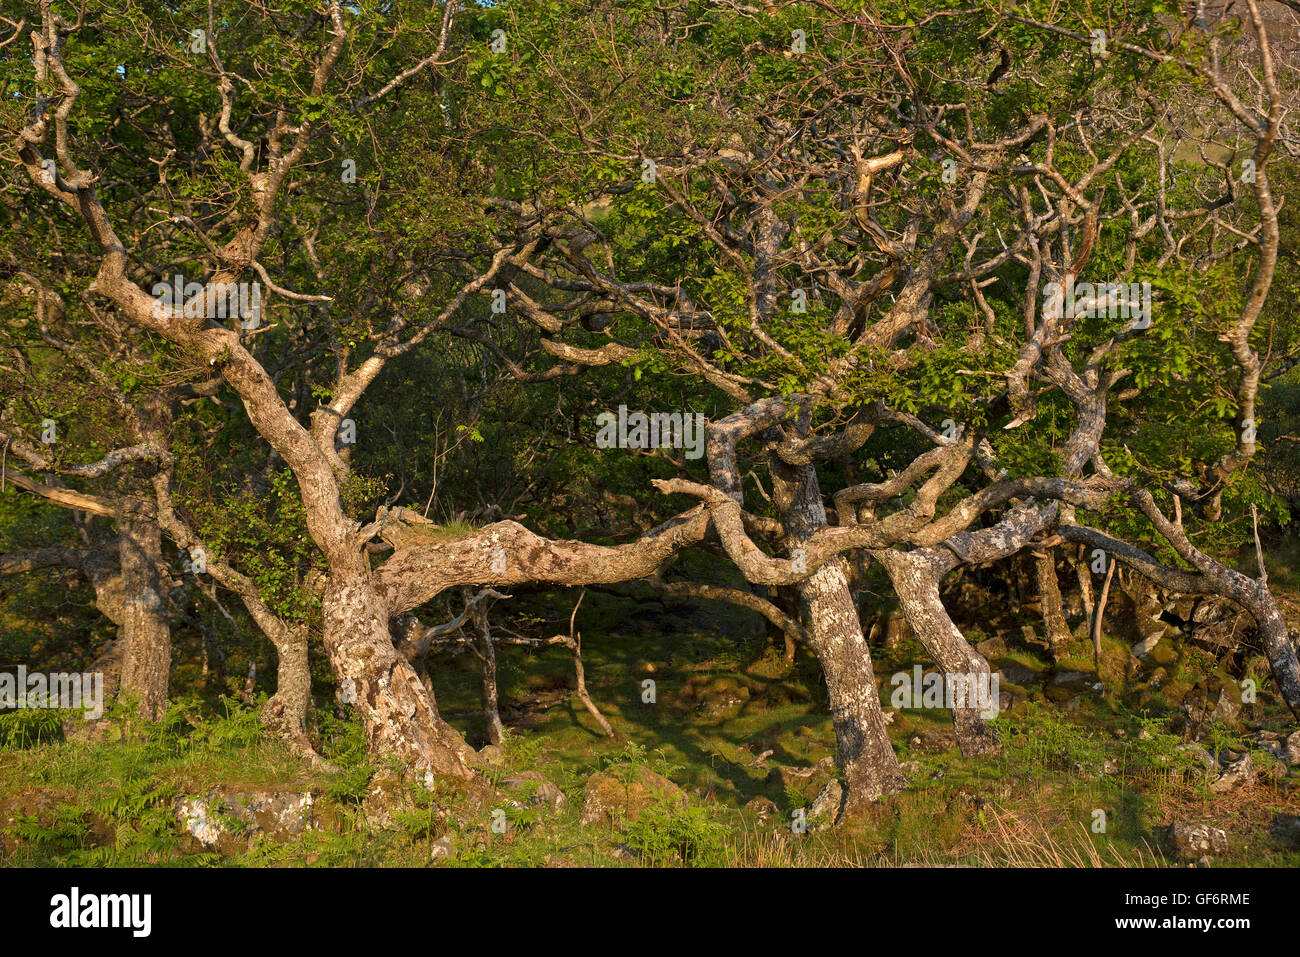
(532, 789)
(1068, 684)
(227, 820)
(1163, 654)
(718, 696)
(1193, 840)
(623, 793)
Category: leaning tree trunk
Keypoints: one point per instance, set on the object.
(1276, 639)
(145, 634)
(864, 754)
(487, 655)
(1053, 610)
(400, 718)
(917, 587)
(285, 712)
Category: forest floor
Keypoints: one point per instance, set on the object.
(1085, 777)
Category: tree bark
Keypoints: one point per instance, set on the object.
(487, 655)
(285, 712)
(864, 753)
(917, 585)
(400, 718)
(1084, 575)
(146, 635)
(1276, 639)
(1049, 597)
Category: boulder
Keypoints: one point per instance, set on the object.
(1068, 684)
(804, 781)
(1291, 751)
(1285, 828)
(1201, 755)
(826, 806)
(1014, 673)
(385, 794)
(933, 740)
(227, 820)
(624, 793)
(1238, 773)
(1197, 840)
(536, 791)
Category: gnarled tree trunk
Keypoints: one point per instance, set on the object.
(285, 712)
(146, 635)
(916, 583)
(400, 717)
(1049, 597)
(864, 754)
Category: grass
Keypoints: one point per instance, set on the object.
(722, 701)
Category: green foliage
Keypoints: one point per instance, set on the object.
(29, 727)
(668, 833)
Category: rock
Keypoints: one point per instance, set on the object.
(992, 647)
(827, 803)
(1068, 684)
(226, 821)
(623, 793)
(1014, 673)
(384, 795)
(1273, 769)
(1270, 741)
(1142, 650)
(933, 740)
(625, 853)
(1196, 840)
(441, 848)
(1239, 773)
(1226, 708)
(803, 780)
(1285, 828)
(539, 791)
(718, 697)
(1291, 752)
(1201, 755)
(1163, 655)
